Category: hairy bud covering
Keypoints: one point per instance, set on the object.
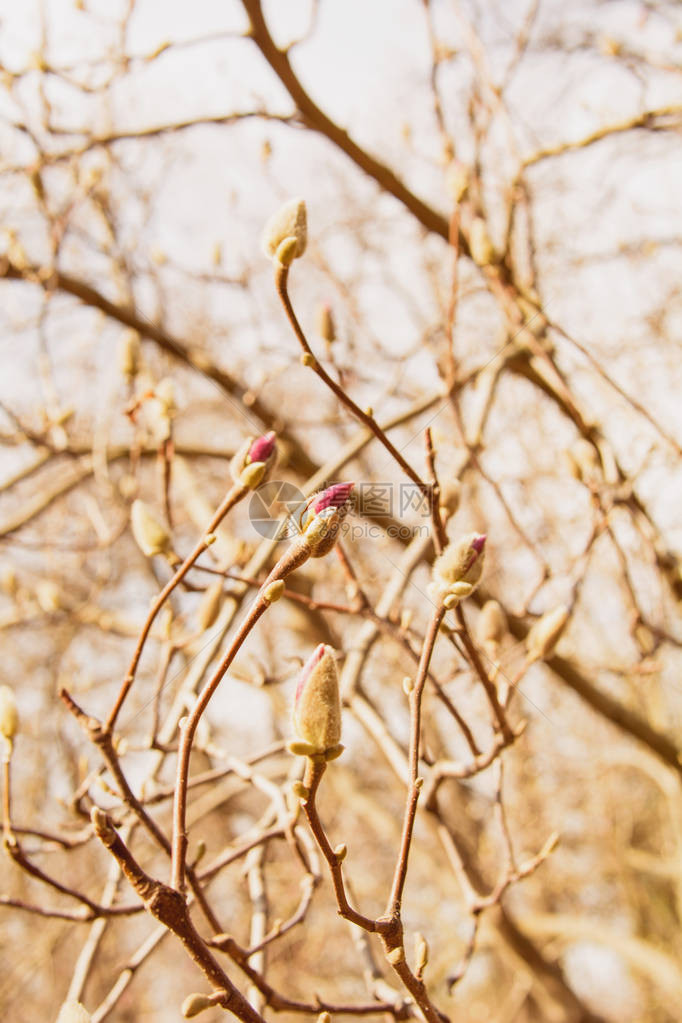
(317, 705)
(289, 222)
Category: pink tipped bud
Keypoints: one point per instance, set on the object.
(317, 705)
(333, 497)
(323, 516)
(254, 461)
(262, 448)
(458, 570)
(478, 543)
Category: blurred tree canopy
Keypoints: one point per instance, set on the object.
(494, 252)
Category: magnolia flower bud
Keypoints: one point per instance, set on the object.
(210, 605)
(196, 1003)
(544, 635)
(129, 353)
(323, 516)
(458, 570)
(290, 221)
(450, 495)
(325, 323)
(254, 461)
(150, 535)
(317, 705)
(480, 245)
(73, 1012)
(9, 716)
(492, 624)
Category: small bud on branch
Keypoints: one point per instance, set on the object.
(289, 223)
(150, 535)
(254, 461)
(9, 715)
(457, 572)
(545, 634)
(323, 516)
(317, 705)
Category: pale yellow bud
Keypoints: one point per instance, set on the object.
(196, 1003)
(73, 1012)
(544, 635)
(9, 715)
(47, 595)
(287, 251)
(450, 496)
(290, 221)
(492, 624)
(251, 475)
(480, 245)
(421, 953)
(325, 323)
(150, 535)
(210, 605)
(129, 353)
(274, 591)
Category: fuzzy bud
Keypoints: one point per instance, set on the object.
(544, 635)
(129, 354)
(325, 323)
(150, 535)
(73, 1012)
(341, 851)
(323, 516)
(9, 716)
(317, 705)
(290, 222)
(196, 1003)
(450, 495)
(458, 570)
(254, 461)
(492, 624)
(210, 605)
